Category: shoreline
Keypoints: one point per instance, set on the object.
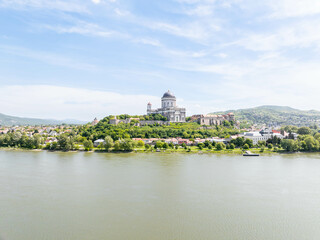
(168, 151)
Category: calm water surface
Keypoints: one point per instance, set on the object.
(96, 196)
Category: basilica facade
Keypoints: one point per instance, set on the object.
(169, 108)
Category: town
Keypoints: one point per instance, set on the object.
(164, 128)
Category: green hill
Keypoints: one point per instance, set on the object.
(6, 120)
(276, 115)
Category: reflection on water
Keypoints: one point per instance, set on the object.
(47, 195)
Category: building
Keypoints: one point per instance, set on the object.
(263, 135)
(95, 122)
(211, 119)
(169, 109)
(97, 142)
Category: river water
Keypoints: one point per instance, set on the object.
(45, 195)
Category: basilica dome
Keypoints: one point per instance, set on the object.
(168, 95)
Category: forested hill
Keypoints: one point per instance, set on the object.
(276, 115)
(6, 120)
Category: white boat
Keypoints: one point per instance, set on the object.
(250, 154)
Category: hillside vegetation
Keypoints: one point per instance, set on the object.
(276, 115)
(6, 120)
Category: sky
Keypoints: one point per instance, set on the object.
(80, 59)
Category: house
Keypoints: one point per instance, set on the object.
(96, 143)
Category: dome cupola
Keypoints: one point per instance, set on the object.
(168, 95)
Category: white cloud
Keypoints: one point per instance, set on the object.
(302, 34)
(96, 1)
(47, 57)
(66, 6)
(56, 102)
(294, 8)
(85, 28)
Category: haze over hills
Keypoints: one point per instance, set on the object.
(276, 115)
(6, 120)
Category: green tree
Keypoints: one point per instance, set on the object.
(311, 143)
(304, 131)
(108, 143)
(65, 143)
(232, 146)
(127, 144)
(117, 146)
(140, 144)
(159, 145)
(165, 145)
(147, 146)
(246, 146)
(88, 145)
(249, 142)
(289, 145)
(270, 146)
(220, 146)
(200, 146)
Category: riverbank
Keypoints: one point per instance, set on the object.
(192, 149)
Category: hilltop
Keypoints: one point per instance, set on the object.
(6, 120)
(276, 115)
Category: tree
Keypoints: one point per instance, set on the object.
(159, 145)
(88, 145)
(231, 146)
(108, 143)
(311, 144)
(127, 144)
(270, 146)
(304, 131)
(200, 146)
(249, 142)
(140, 143)
(206, 143)
(262, 143)
(289, 145)
(171, 145)
(238, 142)
(246, 146)
(100, 146)
(147, 146)
(65, 143)
(220, 146)
(116, 146)
(183, 145)
(165, 145)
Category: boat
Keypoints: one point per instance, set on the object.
(250, 154)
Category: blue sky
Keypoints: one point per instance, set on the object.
(86, 58)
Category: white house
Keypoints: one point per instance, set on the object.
(96, 143)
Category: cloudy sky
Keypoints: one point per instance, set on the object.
(90, 58)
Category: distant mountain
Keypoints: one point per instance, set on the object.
(276, 115)
(6, 120)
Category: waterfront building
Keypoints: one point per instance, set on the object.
(169, 108)
(97, 142)
(213, 119)
(263, 135)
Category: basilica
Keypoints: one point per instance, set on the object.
(169, 108)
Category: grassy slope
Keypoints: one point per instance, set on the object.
(276, 115)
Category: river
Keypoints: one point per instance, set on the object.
(136, 196)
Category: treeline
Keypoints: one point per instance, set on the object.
(19, 140)
(153, 116)
(174, 130)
